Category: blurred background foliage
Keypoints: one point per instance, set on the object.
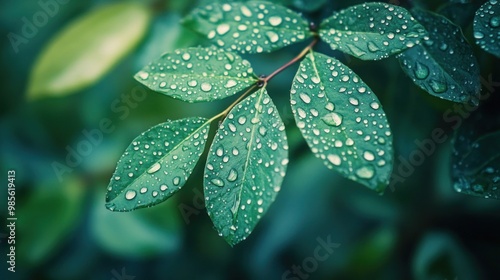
(421, 230)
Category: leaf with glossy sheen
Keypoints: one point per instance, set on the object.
(157, 164)
(444, 64)
(342, 121)
(198, 74)
(251, 27)
(371, 31)
(245, 166)
(487, 27)
(87, 49)
(476, 156)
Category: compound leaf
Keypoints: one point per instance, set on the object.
(252, 27)
(444, 64)
(342, 121)
(371, 31)
(157, 164)
(87, 49)
(198, 74)
(487, 27)
(245, 166)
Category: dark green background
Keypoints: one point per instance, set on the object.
(421, 230)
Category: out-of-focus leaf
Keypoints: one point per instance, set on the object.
(135, 234)
(252, 27)
(487, 27)
(47, 217)
(373, 252)
(444, 64)
(476, 156)
(166, 35)
(86, 49)
(458, 12)
(157, 164)
(342, 121)
(245, 166)
(439, 256)
(198, 74)
(371, 31)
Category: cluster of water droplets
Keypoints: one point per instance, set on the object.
(250, 27)
(342, 120)
(245, 166)
(372, 30)
(487, 27)
(157, 164)
(198, 74)
(444, 64)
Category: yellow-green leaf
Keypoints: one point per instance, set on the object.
(86, 49)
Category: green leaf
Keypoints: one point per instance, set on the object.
(252, 27)
(198, 74)
(48, 216)
(476, 157)
(444, 64)
(342, 121)
(371, 31)
(87, 49)
(157, 164)
(245, 166)
(487, 27)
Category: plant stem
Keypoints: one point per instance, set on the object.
(226, 111)
(295, 59)
(262, 82)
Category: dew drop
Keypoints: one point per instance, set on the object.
(154, 168)
(233, 175)
(334, 159)
(369, 156)
(365, 172)
(478, 35)
(143, 190)
(176, 181)
(272, 36)
(438, 87)
(223, 28)
(372, 47)
(143, 75)
(206, 87)
(163, 188)
(421, 71)
(230, 84)
(275, 20)
(305, 98)
(332, 119)
(245, 11)
(218, 182)
(495, 21)
(130, 194)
